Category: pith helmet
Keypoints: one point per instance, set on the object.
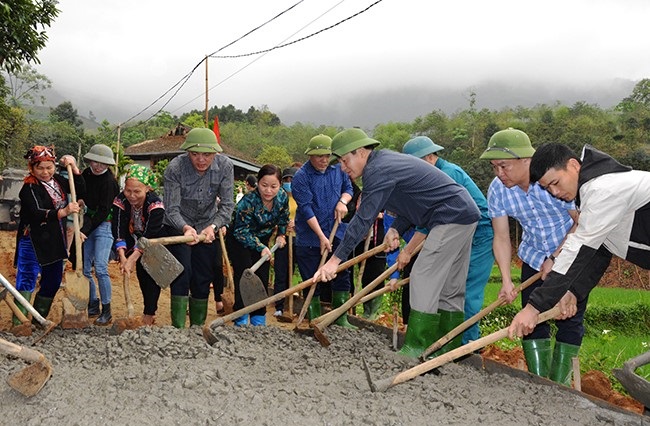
(101, 154)
(420, 147)
(319, 145)
(508, 144)
(350, 139)
(201, 140)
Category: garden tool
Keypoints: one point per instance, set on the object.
(211, 338)
(475, 318)
(25, 326)
(77, 287)
(251, 287)
(159, 263)
(637, 386)
(128, 323)
(362, 266)
(384, 384)
(31, 379)
(224, 253)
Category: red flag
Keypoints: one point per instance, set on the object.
(215, 129)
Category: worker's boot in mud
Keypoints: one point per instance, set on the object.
(371, 308)
(562, 367)
(93, 308)
(258, 320)
(241, 321)
(538, 355)
(314, 311)
(42, 306)
(420, 334)
(338, 299)
(448, 321)
(106, 317)
(28, 296)
(179, 311)
(198, 311)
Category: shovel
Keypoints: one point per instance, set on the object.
(77, 288)
(637, 386)
(159, 263)
(411, 373)
(251, 287)
(312, 290)
(45, 323)
(128, 323)
(25, 327)
(30, 380)
(211, 338)
(224, 253)
(470, 321)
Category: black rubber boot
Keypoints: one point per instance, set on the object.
(105, 318)
(93, 308)
(42, 306)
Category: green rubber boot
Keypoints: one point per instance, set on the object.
(42, 306)
(448, 321)
(420, 334)
(27, 295)
(198, 311)
(562, 367)
(538, 355)
(314, 311)
(338, 299)
(371, 308)
(179, 310)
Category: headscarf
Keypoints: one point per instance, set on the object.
(40, 153)
(143, 174)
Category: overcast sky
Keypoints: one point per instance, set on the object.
(129, 52)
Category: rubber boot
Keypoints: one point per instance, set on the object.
(241, 321)
(27, 295)
(179, 310)
(448, 321)
(198, 311)
(258, 320)
(314, 311)
(420, 334)
(338, 299)
(106, 317)
(42, 306)
(562, 366)
(538, 355)
(93, 308)
(371, 308)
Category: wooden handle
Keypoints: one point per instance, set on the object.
(298, 287)
(19, 297)
(384, 290)
(264, 258)
(224, 254)
(75, 222)
(179, 239)
(127, 296)
(19, 314)
(475, 318)
(20, 351)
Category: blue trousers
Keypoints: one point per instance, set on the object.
(480, 266)
(97, 250)
(28, 270)
(308, 259)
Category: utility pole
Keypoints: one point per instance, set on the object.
(206, 91)
(117, 151)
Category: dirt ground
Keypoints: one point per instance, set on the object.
(264, 375)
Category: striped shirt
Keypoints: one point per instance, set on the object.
(545, 220)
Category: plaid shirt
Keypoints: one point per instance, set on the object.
(545, 220)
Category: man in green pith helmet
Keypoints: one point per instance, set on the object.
(193, 182)
(545, 222)
(420, 196)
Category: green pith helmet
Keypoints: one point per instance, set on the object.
(420, 147)
(319, 145)
(101, 154)
(508, 144)
(350, 139)
(201, 140)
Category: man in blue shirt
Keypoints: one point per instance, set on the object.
(322, 193)
(481, 260)
(420, 196)
(545, 221)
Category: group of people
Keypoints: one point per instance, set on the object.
(575, 212)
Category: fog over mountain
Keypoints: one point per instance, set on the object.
(369, 108)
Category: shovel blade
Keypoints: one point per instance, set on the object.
(161, 265)
(77, 289)
(30, 380)
(251, 288)
(72, 317)
(635, 385)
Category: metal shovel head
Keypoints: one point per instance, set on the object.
(635, 385)
(251, 288)
(77, 289)
(161, 265)
(31, 379)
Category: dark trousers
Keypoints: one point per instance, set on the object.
(243, 258)
(150, 290)
(198, 268)
(218, 281)
(281, 270)
(308, 259)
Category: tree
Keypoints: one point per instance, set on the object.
(20, 33)
(25, 84)
(65, 112)
(275, 155)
